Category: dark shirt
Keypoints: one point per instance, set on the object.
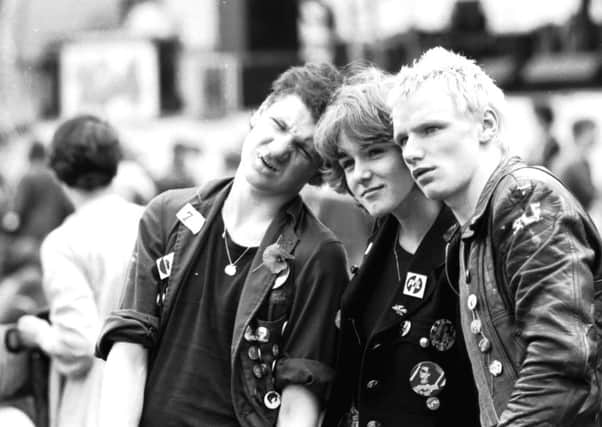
(191, 385)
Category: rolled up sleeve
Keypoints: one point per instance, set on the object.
(136, 320)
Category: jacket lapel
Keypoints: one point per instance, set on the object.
(260, 279)
(425, 269)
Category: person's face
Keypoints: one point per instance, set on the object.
(424, 374)
(375, 174)
(440, 143)
(278, 157)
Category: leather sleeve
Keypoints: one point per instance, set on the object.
(547, 251)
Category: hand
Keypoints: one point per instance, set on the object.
(31, 330)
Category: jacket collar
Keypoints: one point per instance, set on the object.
(505, 166)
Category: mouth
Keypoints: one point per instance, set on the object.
(269, 165)
(420, 172)
(369, 191)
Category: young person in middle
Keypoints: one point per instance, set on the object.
(401, 359)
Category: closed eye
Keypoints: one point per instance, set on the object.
(279, 124)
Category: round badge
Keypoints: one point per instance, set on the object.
(257, 371)
(472, 301)
(427, 378)
(475, 326)
(443, 334)
(271, 399)
(263, 334)
(433, 403)
(281, 279)
(484, 345)
(405, 327)
(254, 353)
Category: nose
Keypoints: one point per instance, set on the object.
(280, 148)
(411, 151)
(362, 173)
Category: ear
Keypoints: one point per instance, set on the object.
(489, 126)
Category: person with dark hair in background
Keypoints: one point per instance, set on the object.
(399, 316)
(39, 203)
(525, 258)
(548, 147)
(573, 168)
(84, 264)
(228, 318)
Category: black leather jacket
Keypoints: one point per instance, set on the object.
(533, 261)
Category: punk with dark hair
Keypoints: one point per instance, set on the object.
(85, 152)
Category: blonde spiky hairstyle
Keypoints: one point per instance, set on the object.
(472, 90)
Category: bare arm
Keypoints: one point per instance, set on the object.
(300, 408)
(124, 379)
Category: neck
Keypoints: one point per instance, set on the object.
(247, 213)
(464, 202)
(416, 214)
(79, 198)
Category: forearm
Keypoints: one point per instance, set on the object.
(122, 394)
(300, 408)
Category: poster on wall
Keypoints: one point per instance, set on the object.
(117, 79)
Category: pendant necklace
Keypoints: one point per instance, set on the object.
(230, 269)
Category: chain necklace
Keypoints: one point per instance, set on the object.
(396, 256)
(230, 268)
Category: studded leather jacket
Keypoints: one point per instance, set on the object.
(283, 333)
(532, 262)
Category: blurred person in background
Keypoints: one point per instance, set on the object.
(525, 257)
(546, 147)
(228, 318)
(184, 159)
(39, 204)
(84, 265)
(573, 166)
(399, 316)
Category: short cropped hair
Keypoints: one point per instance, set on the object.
(360, 112)
(85, 153)
(470, 87)
(314, 84)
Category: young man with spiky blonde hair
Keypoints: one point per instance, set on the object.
(526, 259)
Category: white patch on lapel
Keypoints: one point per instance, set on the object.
(164, 265)
(191, 218)
(414, 285)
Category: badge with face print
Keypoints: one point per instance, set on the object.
(442, 334)
(427, 378)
